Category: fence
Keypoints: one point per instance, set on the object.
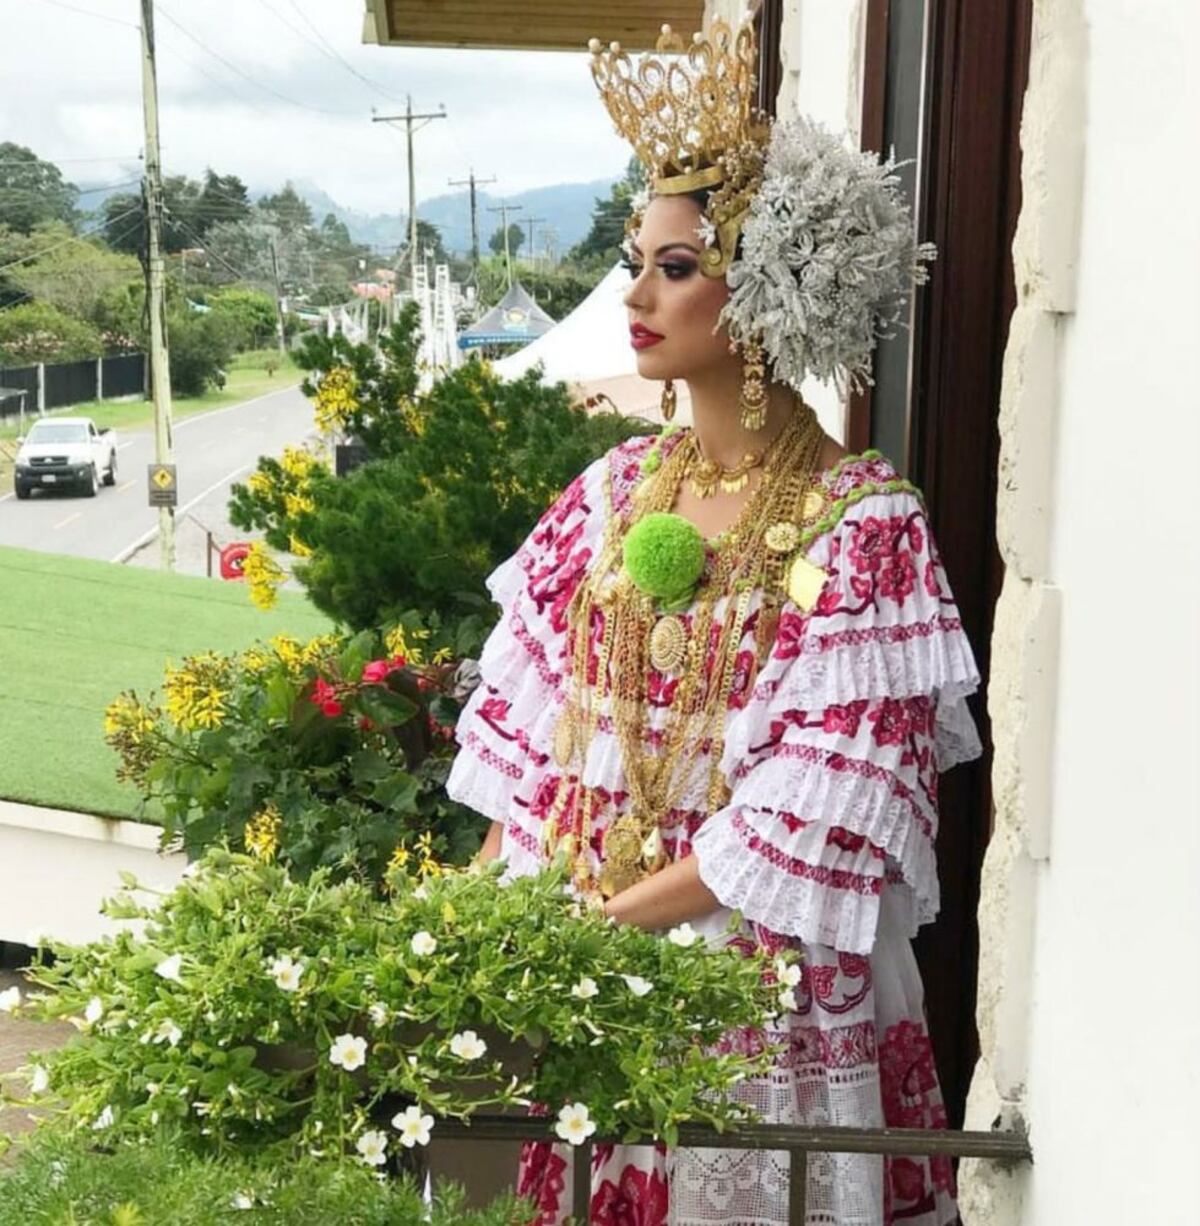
(1007, 1148)
(60, 384)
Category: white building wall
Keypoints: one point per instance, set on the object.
(1090, 1010)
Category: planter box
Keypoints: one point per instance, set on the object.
(56, 867)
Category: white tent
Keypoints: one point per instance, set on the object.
(590, 343)
(590, 350)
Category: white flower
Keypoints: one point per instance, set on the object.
(639, 202)
(167, 1032)
(10, 998)
(423, 944)
(585, 989)
(637, 985)
(683, 936)
(421, 892)
(379, 1014)
(412, 1126)
(467, 1045)
(242, 1200)
(103, 1120)
(152, 1088)
(573, 1124)
(168, 968)
(39, 1079)
(787, 998)
(94, 1011)
(788, 974)
(286, 973)
(348, 1051)
(372, 1147)
(706, 232)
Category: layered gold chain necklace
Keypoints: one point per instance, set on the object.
(637, 636)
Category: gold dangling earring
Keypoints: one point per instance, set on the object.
(752, 405)
(667, 404)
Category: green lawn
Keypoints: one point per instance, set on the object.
(245, 380)
(74, 633)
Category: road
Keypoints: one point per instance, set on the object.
(212, 450)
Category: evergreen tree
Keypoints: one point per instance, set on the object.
(32, 191)
(603, 241)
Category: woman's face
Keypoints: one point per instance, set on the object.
(673, 306)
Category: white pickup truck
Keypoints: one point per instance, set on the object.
(65, 451)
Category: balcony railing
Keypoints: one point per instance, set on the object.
(1007, 1148)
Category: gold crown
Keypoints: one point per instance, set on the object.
(691, 121)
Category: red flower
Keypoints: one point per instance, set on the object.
(378, 671)
(325, 696)
(789, 637)
(494, 710)
(540, 1179)
(543, 797)
(898, 576)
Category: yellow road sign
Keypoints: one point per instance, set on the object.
(163, 491)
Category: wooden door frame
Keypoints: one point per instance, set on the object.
(975, 67)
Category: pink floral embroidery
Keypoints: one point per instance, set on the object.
(844, 719)
(540, 1179)
(897, 576)
(744, 667)
(873, 541)
(660, 689)
(494, 710)
(638, 1199)
(892, 722)
(789, 638)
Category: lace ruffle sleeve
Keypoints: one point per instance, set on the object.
(833, 759)
(506, 727)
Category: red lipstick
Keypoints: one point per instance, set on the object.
(640, 337)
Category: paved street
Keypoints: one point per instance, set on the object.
(212, 450)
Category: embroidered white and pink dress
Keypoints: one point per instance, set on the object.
(832, 754)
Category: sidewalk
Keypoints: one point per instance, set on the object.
(17, 1039)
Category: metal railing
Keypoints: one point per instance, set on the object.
(1007, 1148)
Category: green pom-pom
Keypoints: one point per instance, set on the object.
(651, 462)
(664, 556)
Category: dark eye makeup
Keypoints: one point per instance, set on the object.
(672, 269)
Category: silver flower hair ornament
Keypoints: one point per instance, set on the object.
(827, 258)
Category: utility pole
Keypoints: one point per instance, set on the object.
(160, 358)
(504, 210)
(531, 222)
(473, 182)
(279, 330)
(409, 119)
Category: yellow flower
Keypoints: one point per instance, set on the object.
(263, 575)
(297, 547)
(197, 691)
(261, 834)
(319, 648)
(287, 650)
(335, 400)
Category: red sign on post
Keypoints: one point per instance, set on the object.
(233, 558)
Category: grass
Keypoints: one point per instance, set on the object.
(246, 378)
(74, 633)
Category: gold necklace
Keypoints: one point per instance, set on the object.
(708, 476)
(740, 561)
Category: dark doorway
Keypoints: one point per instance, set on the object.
(944, 82)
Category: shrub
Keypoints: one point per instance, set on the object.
(255, 1013)
(250, 314)
(39, 332)
(457, 478)
(332, 753)
(61, 1180)
(201, 347)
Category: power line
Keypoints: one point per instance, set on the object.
(245, 76)
(118, 21)
(338, 56)
(137, 157)
(75, 238)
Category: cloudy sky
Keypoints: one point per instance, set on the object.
(273, 89)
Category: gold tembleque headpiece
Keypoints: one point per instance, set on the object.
(691, 121)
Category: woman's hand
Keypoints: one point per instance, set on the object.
(667, 898)
(491, 844)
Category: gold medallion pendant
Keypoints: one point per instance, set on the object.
(623, 842)
(564, 737)
(804, 582)
(668, 644)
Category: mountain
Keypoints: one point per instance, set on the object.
(566, 208)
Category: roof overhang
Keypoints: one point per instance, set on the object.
(535, 25)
